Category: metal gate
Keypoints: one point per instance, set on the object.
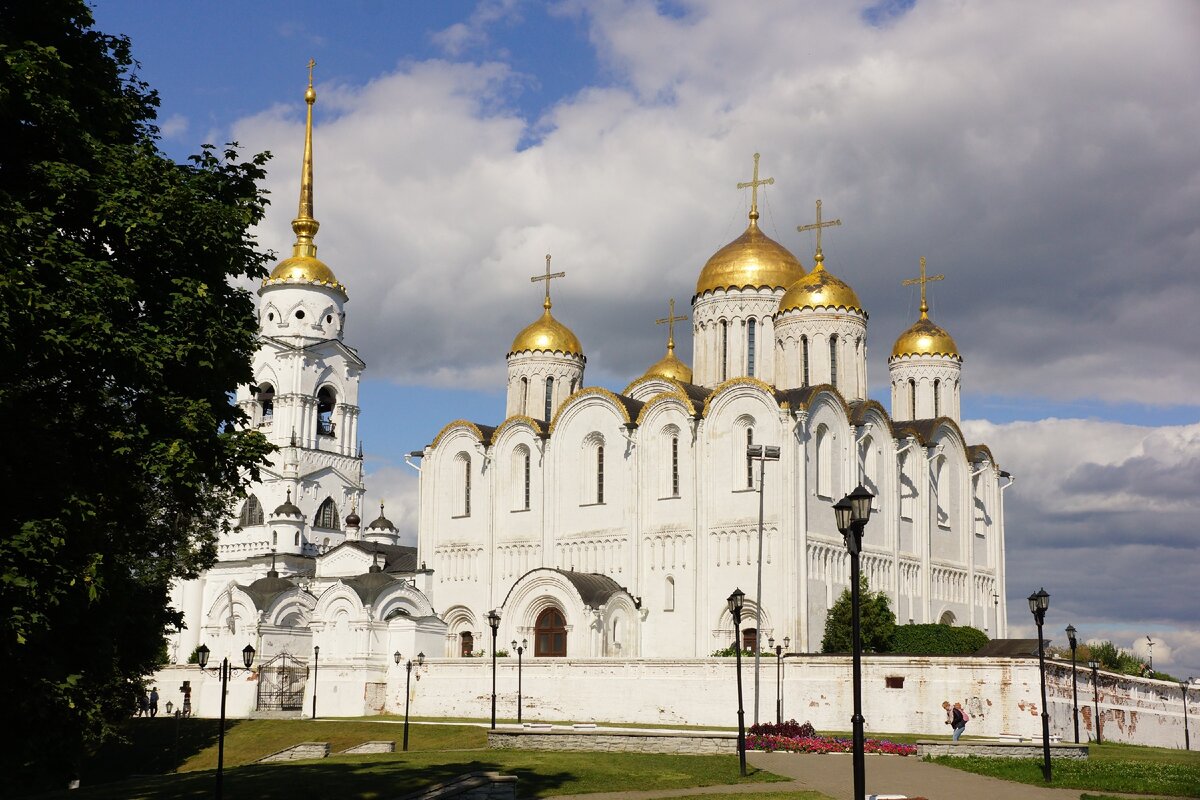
(281, 683)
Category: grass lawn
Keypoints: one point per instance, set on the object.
(437, 753)
(1109, 768)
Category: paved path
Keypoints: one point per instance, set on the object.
(832, 775)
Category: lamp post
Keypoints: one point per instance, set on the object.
(177, 714)
(735, 601)
(852, 513)
(407, 682)
(520, 648)
(224, 671)
(1074, 683)
(1150, 647)
(1095, 665)
(1039, 601)
(779, 648)
(762, 454)
(996, 613)
(493, 618)
(316, 656)
(1187, 740)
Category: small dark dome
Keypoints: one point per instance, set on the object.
(382, 523)
(353, 520)
(288, 509)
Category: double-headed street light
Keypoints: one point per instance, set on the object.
(407, 679)
(1095, 665)
(762, 454)
(736, 601)
(779, 648)
(493, 619)
(520, 648)
(225, 670)
(852, 513)
(1039, 601)
(1074, 683)
(316, 656)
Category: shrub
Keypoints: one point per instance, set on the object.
(937, 640)
(790, 729)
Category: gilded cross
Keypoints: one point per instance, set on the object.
(549, 276)
(311, 64)
(670, 321)
(818, 225)
(753, 185)
(923, 280)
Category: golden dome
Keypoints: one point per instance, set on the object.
(751, 260)
(925, 338)
(820, 289)
(547, 335)
(303, 266)
(671, 368)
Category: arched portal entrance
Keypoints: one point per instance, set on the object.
(550, 634)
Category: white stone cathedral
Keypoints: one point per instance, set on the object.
(600, 524)
(616, 525)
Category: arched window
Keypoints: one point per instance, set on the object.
(833, 365)
(870, 468)
(912, 397)
(573, 382)
(525, 468)
(466, 644)
(724, 350)
(520, 478)
(252, 513)
(749, 460)
(524, 396)
(326, 400)
(941, 492)
(600, 473)
(947, 618)
(327, 515)
(824, 463)
(675, 465)
(908, 490)
(274, 538)
(669, 601)
(804, 360)
(266, 400)
(549, 397)
(297, 542)
(937, 400)
(461, 474)
(750, 333)
(550, 634)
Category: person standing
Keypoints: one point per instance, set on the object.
(153, 701)
(143, 705)
(958, 720)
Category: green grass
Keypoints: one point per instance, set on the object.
(437, 753)
(805, 795)
(1109, 768)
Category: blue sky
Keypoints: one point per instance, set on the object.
(1052, 181)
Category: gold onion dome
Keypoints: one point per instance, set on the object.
(671, 368)
(547, 335)
(925, 338)
(820, 289)
(753, 260)
(303, 266)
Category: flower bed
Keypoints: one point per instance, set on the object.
(792, 737)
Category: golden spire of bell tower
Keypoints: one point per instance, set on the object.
(923, 280)
(304, 225)
(753, 185)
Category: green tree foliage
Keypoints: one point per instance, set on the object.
(122, 338)
(878, 622)
(937, 640)
(1116, 659)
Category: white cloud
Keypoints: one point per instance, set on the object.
(173, 127)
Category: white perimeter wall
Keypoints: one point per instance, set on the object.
(1001, 695)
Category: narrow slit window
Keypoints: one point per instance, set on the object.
(804, 359)
(724, 350)
(675, 466)
(549, 397)
(833, 359)
(600, 473)
(751, 328)
(937, 400)
(749, 460)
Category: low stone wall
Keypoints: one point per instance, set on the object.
(610, 741)
(1001, 749)
(299, 752)
(472, 786)
(378, 746)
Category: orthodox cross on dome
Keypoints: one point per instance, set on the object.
(923, 280)
(817, 226)
(753, 185)
(549, 276)
(670, 321)
(311, 63)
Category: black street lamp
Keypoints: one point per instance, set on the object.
(1095, 665)
(316, 655)
(224, 671)
(520, 648)
(996, 613)
(1039, 601)
(1187, 740)
(493, 618)
(1074, 683)
(736, 600)
(852, 513)
(779, 648)
(407, 682)
(178, 714)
